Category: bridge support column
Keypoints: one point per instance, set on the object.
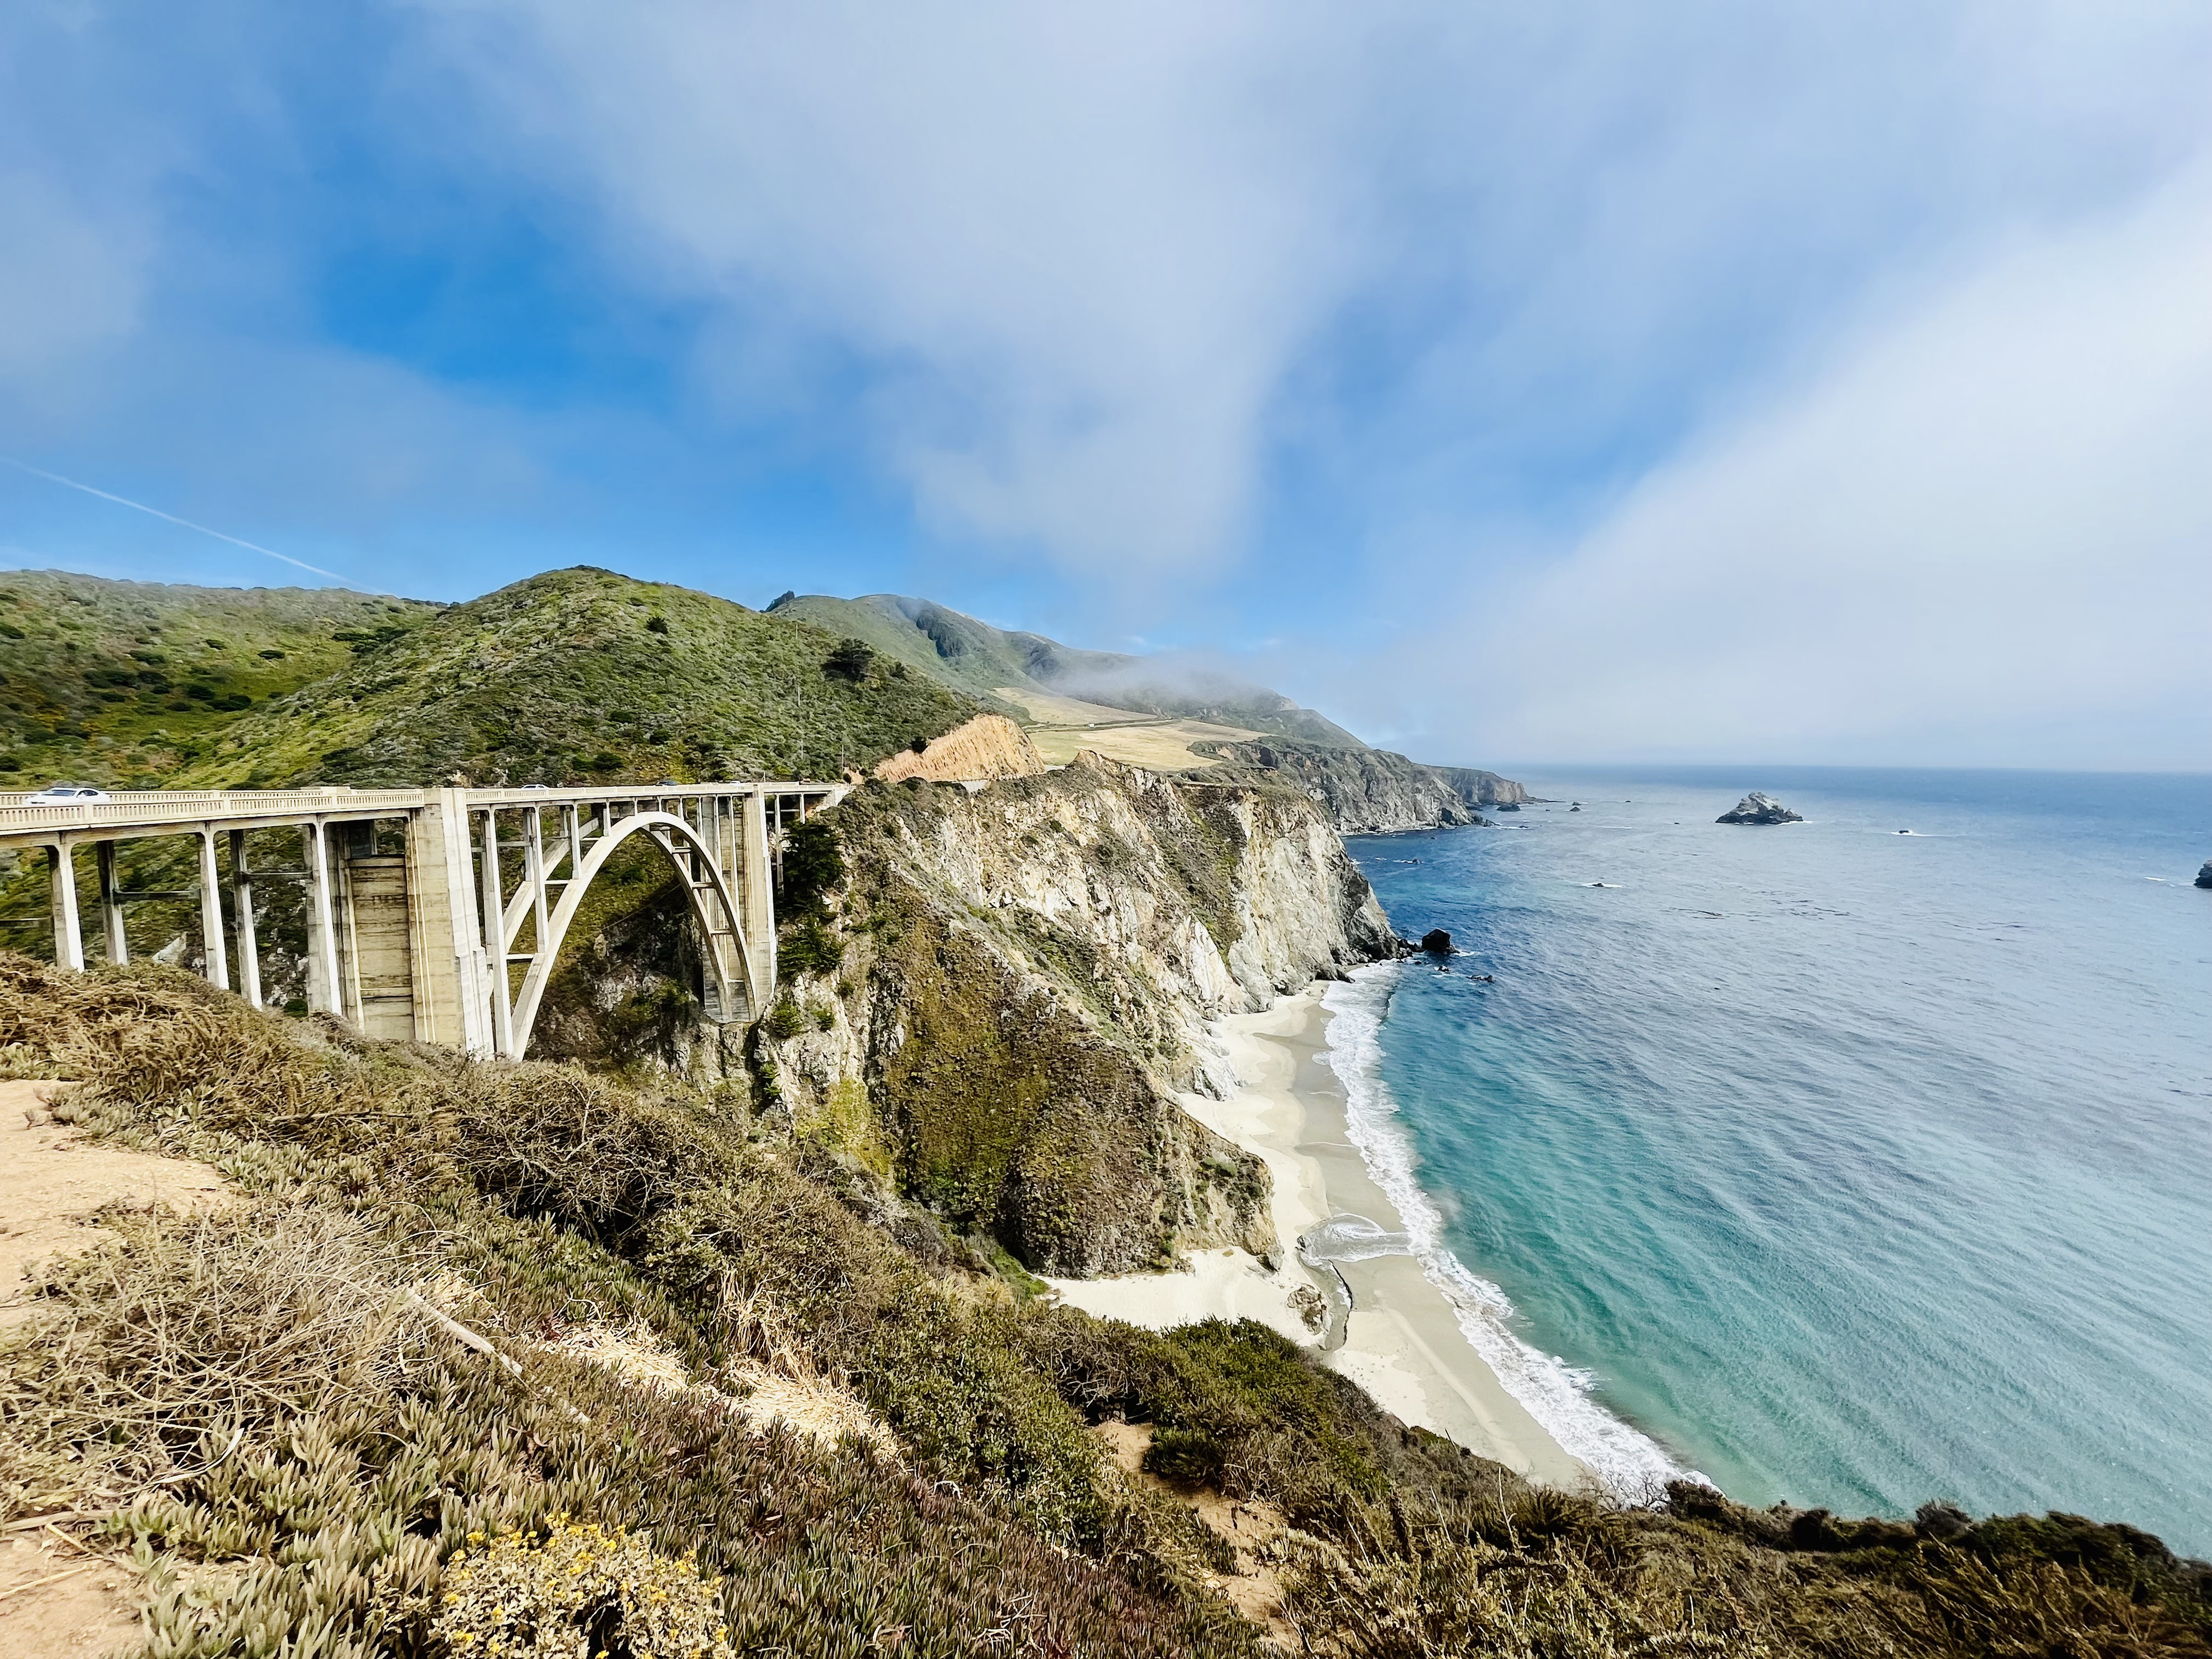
(69, 938)
(324, 995)
(111, 906)
(241, 921)
(492, 907)
(757, 898)
(218, 963)
(446, 953)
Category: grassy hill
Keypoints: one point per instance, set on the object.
(578, 676)
(1158, 713)
(125, 684)
(575, 676)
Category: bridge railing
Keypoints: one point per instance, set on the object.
(131, 808)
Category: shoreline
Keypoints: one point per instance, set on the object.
(1401, 1341)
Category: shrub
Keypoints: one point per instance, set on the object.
(850, 660)
(813, 863)
(580, 1591)
(809, 948)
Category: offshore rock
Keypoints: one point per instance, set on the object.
(1436, 942)
(1756, 808)
(2204, 876)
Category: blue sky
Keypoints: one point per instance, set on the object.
(1710, 382)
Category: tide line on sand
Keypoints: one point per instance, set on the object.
(1405, 1338)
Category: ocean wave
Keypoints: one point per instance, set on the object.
(1634, 1468)
(1347, 1237)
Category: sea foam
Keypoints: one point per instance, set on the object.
(1634, 1468)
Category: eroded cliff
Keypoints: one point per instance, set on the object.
(1016, 976)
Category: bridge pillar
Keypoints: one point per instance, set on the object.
(756, 898)
(218, 966)
(69, 938)
(111, 906)
(325, 990)
(445, 956)
(382, 976)
(242, 914)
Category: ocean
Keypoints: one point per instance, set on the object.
(1840, 1166)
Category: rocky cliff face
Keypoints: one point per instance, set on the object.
(1025, 973)
(1367, 791)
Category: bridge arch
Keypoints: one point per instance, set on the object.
(666, 831)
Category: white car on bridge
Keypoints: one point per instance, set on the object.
(68, 794)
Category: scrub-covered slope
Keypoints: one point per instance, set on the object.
(121, 683)
(993, 1001)
(582, 675)
(502, 1358)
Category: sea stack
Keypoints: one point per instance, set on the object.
(1436, 942)
(2204, 876)
(1755, 808)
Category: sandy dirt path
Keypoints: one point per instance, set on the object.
(59, 1599)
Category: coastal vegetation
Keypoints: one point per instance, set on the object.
(278, 1415)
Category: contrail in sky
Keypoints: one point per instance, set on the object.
(120, 501)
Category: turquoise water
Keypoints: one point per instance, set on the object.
(1839, 1165)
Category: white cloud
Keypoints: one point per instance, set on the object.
(1095, 282)
(1068, 250)
(1984, 532)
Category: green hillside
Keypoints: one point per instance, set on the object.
(582, 675)
(979, 658)
(123, 683)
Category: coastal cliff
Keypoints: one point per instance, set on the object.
(1370, 791)
(1009, 982)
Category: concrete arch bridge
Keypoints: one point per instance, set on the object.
(452, 936)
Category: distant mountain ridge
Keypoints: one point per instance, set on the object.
(984, 660)
(1366, 788)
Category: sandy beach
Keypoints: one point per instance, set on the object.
(1401, 1341)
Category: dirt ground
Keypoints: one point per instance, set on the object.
(1253, 1530)
(59, 1600)
(51, 1179)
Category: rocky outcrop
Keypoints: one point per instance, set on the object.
(988, 746)
(1756, 808)
(1372, 791)
(1436, 942)
(1481, 788)
(2204, 876)
(1025, 977)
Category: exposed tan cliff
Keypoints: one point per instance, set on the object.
(988, 746)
